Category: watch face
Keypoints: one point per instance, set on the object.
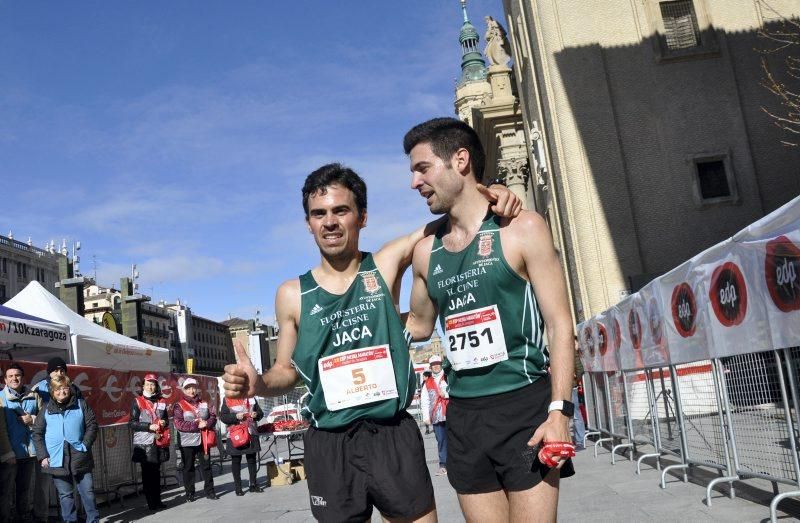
(568, 409)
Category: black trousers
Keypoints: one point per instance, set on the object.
(151, 483)
(188, 454)
(236, 467)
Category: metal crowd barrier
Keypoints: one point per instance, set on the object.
(736, 415)
(591, 410)
(619, 404)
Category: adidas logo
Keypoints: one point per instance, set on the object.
(315, 309)
(437, 270)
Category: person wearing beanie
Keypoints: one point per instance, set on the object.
(192, 417)
(56, 366)
(433, 404)
(150, 425)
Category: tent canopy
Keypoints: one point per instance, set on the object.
(91, 344)
(27, 337)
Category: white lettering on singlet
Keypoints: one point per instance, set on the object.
(459, 278)
(346, 313)
(357, 333)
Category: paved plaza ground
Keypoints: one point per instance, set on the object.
(599, 492)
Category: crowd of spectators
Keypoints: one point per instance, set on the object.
(47, 431)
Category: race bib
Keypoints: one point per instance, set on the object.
(475, 338)
(357, 377)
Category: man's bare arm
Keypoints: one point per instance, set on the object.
(394, 258)
(421, 318)
(282, 377)
(242, 380)
(531, 237)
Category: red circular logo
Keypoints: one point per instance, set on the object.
(780, 269)
(635, 329)
(684, 310)
(728, 294)
(616, 333)
(588, 341)
(602, 339)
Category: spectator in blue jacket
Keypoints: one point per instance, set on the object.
(20, 408)
(63, 434)
(56, 366)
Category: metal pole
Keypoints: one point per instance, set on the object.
(773, 506)
(599, 414)
(723, 411)
(626, 404)
(651, 407)
(681, 427)
(666, 399)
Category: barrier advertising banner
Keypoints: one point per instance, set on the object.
(628, 312)
(586, 339)
(741, 296)
(770, 248)
(654, 339)
(772, 267)
(110, 392)
(607, 345)
(738, 323)
(686, 320)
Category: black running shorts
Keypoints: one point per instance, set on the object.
(371, 462)
(487, 440)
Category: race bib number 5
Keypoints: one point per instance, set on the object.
(357, 377)
(475, 338)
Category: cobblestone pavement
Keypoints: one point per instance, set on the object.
(598, 492)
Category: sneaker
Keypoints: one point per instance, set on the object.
(442, 471)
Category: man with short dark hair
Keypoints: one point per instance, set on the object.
(493, 283)
(20, 408)
(341, 332)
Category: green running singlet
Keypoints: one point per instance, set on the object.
(352, 351)
(491, 321)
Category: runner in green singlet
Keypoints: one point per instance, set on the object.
(340, 332)
(494, 284)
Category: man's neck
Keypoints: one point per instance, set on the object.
(467, 213)
(336, 274)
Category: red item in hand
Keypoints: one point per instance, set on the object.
(552, 449)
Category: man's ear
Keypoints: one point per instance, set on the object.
(363, 220)
(461, 161)
(309, 226)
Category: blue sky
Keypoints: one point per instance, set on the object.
(176, 135)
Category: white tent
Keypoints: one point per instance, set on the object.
(26, 337)
(91, 344)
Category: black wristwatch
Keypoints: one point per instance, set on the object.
(496, 181)
(567, 408)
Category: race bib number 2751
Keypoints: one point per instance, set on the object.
(356, 377)
(475, 338)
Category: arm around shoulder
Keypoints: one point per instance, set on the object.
(422, 316)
